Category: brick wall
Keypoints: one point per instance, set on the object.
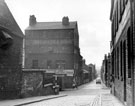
(120, 79)
(49, 45)
(32, 85)
(43, 58)
(129, 96)
(10, 68)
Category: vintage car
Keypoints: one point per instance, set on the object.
(98, 81)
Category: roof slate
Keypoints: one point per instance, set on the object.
(52, 25)
(7, 20)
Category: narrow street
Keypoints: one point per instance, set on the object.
(90, 94)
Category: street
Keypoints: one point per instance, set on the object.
(67, 53)
(90, 94)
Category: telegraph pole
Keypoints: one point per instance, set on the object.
(132, 35)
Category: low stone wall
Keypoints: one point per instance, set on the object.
(32, 84)
(118, 91)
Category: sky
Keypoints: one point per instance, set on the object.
(92, 16)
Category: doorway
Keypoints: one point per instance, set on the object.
(124, 66)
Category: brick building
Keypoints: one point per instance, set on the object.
(11, 40)
(106, 70)
(122, 56)
(53, 47)
(88, 72)
(94, 71)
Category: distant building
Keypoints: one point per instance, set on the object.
(106, 75)
(53, 47)
(11, 41)
(87, 72)
(94, 71)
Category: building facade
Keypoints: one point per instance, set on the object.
(122, 47)
(106, 71)
(94, 73)
(11, 42)
(87, 72)
(54, 48)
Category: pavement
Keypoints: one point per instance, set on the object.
(89, 94)
(30, 100)
(108, 99)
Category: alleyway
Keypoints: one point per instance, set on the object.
(90, 94)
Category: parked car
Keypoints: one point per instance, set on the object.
(98, 81)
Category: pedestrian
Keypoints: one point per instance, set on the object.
(74, 84)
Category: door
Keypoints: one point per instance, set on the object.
(124, 55)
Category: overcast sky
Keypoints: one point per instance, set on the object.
(92, 17)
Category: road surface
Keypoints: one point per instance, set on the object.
(90, 94)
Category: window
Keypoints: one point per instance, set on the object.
(116, 19)
(129, 44)
(49, 63)
(118, 62)
(122, 7)
(112, 33)
(113, 29)
(119, 16)
(115, 24)
(60, 64)
(35, 64)
(126, 1)
(121, 59)
(115, 64)
(124, 4)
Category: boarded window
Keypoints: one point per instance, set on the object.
(34, 63)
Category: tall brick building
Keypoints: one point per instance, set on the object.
(122, 47)
(11, 41)
(53, 47)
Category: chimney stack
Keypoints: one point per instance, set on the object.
(32, 20)
(65, 20)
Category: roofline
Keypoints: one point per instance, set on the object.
(51, 28)
(22, 34)
(56, 22)
(9, 31)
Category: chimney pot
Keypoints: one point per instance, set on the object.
(65, 20)
(32, 20)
